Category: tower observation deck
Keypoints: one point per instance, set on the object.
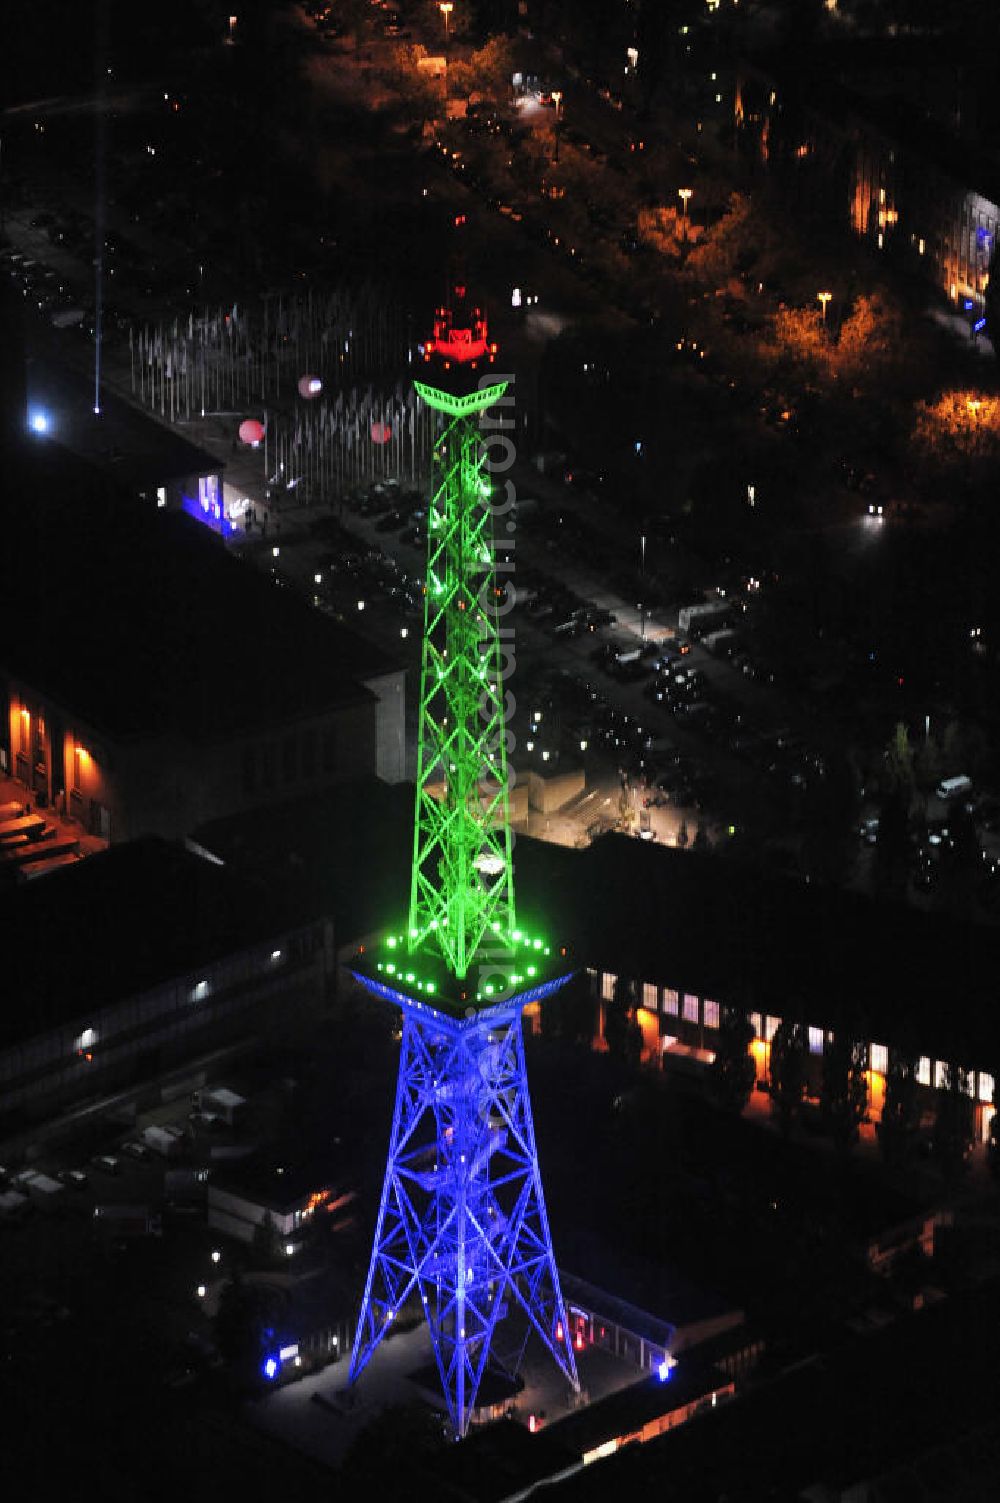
(462, 1224)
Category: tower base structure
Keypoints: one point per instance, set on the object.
(462, 1223)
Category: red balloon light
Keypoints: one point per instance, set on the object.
(381, 433)
(251, 432)
(309, 387)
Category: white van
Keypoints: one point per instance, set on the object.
(950, 788)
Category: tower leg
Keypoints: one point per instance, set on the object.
(462, 1217)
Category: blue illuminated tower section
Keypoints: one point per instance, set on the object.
(461, 1224)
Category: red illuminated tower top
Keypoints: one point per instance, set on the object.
(459, 347)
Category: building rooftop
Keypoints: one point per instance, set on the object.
(117, 924)
(628, 1409)
(128, 445)
(725, 929)
(282, 1184)
(142, 625)
(899, 1393)
(344, 854)
(705, 923)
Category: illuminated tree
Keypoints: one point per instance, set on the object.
(799, 333)
(897, 1130)
(666, 230)
(788, 1073)
(732, 1072)
(488, 70)
(961, 425)
(953, 1123)
(898, 762)
(420, 93)
(870, 338)
(740, 239)
(845, 1085)
(622, 1032)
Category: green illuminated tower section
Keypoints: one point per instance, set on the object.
(462, 889)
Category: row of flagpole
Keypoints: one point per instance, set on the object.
(329, 447)
(233, 360)
(250, 361)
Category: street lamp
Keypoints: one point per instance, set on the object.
(557, 101)
(824, 298)
(446, 7)
(684, 194)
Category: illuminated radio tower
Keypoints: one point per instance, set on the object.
(462, 1224)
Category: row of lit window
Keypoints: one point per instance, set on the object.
(928, 1071)
(664, 999)
(685, 1005)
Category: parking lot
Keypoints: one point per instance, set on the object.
(604, 682)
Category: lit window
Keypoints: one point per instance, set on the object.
(671, 1001)
(199, 991)
(711, 1014)
(649, 996)
(940, 1074)
(161, 495)
(985, 1087)
(923, 1070)
(608, 986)
(771, 1026)
(690, 1008)
(87, 1040)
(815, 1041)
(878, 1059)
(756, 1024)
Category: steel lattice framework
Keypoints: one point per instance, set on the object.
(462, 877)
(462, 1221)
